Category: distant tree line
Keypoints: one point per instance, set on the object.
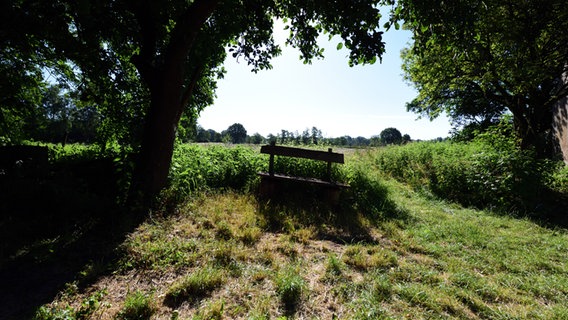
(60, 117)
(57, 118)
(236, 133)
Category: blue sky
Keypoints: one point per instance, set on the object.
(328, 94)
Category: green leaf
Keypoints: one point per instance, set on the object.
(340, 46)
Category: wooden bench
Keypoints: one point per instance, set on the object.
(268, 179)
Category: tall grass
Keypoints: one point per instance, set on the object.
(205, 167)
(485, 173)
(196, 167)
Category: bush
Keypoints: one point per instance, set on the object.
(488, 172)
(197, 168)
(558, 179)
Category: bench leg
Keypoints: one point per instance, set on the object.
(267, 187)
(332, 195)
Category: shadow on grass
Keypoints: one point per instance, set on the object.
(550, 210)
(53, 230)
(364, 205)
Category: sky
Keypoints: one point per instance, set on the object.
(328, 94)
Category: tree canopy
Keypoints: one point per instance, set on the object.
(237, 133)
(147, 63)
(476, 60)
(391, 136)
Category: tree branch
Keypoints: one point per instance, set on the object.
(188, 26)
(189, 90)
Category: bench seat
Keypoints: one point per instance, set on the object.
(266, 175)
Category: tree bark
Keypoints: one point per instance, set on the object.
(156, 150)
(533, 126)
(168, 98)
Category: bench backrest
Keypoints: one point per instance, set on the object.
(327, 156)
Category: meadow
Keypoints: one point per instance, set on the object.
(426, 231)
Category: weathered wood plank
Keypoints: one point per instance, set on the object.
(266, 175)
(327, 156)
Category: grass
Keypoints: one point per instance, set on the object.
(227, 254)
(444, 261)
(137, 305)
(290, 287)
(197, 285)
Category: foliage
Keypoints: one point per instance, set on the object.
(21, 79)
(391, 136)
(489, 172)
(87, 308)
(149, 64)
(197, 167)
(558, 178)
(478, 60)
(237, 132)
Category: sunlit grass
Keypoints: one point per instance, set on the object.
(227, 254)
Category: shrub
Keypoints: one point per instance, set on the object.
(558, 179)
(488, 172)
(197, 168)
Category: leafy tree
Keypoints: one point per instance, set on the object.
(316, 135)
(215, 136)
(271, 138)
(306, 138)
(361, 141)
(375, 141)
(147, 62)
(391, 136)
(476, 60)
(237, 133)
(58, 118)
(21, 85)
(406, 138)
(85, 124)
(58, 111)
(202, 135)
(256, 138)
(284, 136)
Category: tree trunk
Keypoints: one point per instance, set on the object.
(166, 85)
(534, 130)
(156, 151)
